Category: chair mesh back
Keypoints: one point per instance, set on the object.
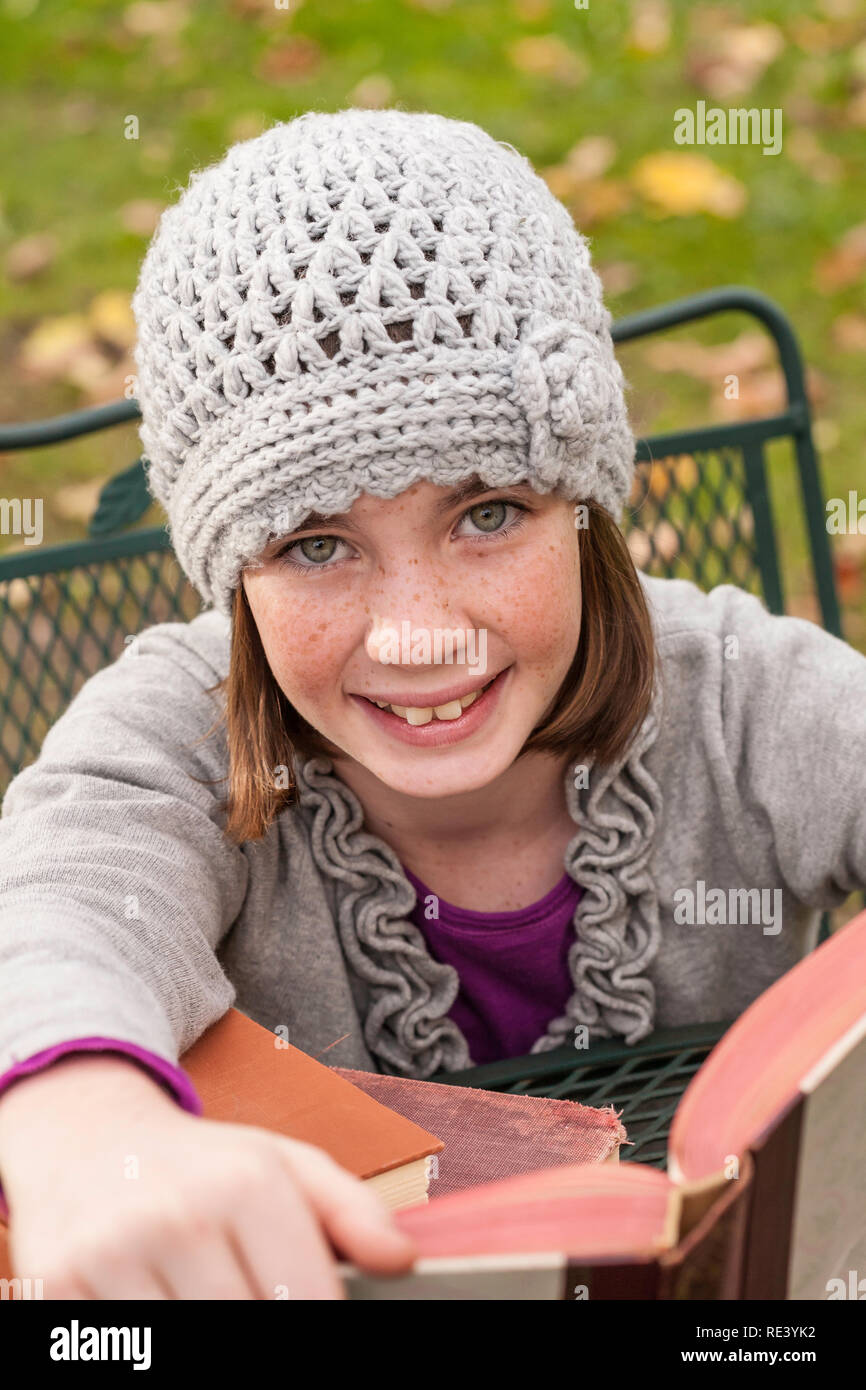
(688, 517)
(57, 629)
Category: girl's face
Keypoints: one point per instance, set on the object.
(461, 607)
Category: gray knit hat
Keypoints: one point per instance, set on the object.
(354, 301)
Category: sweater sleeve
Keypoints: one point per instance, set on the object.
(793, 713)
(117, 884)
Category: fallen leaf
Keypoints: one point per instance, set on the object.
(265, 9)
(640, 548)
(857, 59)
(680, 184)
(151, 17)
(803, 606)
(246, 127)
(292, 60)
(650, 28)
(90, 370)
(79, 116)
(618, 277)
(802, 109)
(852, 544)
(666, 541)
(17, 593)
(591, 157)
(855, 111)
(577, 181)
(166, 52)
(761, 393)
(725, 59)
(31, 256)
(599, 200)
(546, 55)
(110, 316)
(845, 264)
(685, 472)
(746, 353)
(815, 36)
(531, 11)
(77, 501)
(157, 151)
(101, 379)
(659, 481)
(848, 571)
(826, 434)
(141, 215)
(803, 147)
(721, 532)
(746, 522)
(849, 332)
(50, 347)
(374, 92)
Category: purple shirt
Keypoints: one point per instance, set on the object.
(513, 966)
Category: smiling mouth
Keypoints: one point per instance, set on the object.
(425, 714)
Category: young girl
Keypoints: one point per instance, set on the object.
(436, 777)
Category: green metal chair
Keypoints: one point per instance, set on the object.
(67, 610)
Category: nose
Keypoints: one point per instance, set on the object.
(410, 594)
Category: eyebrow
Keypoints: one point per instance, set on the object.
(473, 487)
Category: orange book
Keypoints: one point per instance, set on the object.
(245, 1074)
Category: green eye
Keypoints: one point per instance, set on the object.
(317, 548)
(488, 516)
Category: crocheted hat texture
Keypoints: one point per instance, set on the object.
(356, 300)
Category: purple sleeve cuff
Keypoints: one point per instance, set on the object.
(174, 1079)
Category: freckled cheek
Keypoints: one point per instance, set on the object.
(306, 651)
(541, 617)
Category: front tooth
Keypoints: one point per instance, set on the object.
(466, 700)
(398, 709)
(452, 710)
(418, 716)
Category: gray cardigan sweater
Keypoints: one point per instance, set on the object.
(126, 913)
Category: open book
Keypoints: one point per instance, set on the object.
(765, 1194)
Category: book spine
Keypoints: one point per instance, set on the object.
(771, 1210)
(708, 1263)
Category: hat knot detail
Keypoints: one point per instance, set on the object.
(567, 384)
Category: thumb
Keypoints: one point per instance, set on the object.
(353, 1215)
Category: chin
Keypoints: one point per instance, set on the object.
(441, 772)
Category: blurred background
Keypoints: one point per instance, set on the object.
(106, 108)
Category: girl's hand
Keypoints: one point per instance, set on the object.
(114, 1192)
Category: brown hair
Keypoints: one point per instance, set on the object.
(600, 705)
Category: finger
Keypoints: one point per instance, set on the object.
(279, 1240)
(56, 1287)
(354, 1216)
(89, 1275)
(205, 1266)
(106, 1274)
